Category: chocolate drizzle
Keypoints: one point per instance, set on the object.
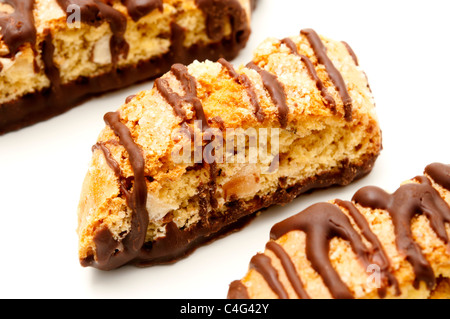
(108, 254)
(321, 223)
(123, 184)
(50, 69)
(351, 52)
(18, 27)
(217, 12)
(175, 100)
(335, 76)
(329, 100)
(244, 80)
(130, 98)
(377, 254)
(276, 91)
(262, 264)
(440, 173)
(355, 59)
(189, 86)
(140, 8)
(237, 291)
(178, 243)
(95, 12)
(324, 221)
(289, 268)
(408, 201)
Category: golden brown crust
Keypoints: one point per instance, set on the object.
(314, 140)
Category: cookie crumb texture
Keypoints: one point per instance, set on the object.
(378, 245)
(138, 205)
(56, 53)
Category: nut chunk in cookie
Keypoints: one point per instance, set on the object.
(210, 145)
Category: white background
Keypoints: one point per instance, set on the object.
(403, 46)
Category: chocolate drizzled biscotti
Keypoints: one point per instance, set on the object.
(299, 116)
(56, 53)
(377, 245)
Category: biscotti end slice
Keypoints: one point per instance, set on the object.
(299, 116)
(56, 53)
(378, 245)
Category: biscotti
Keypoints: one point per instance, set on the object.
(378, 245)
(211, 145)
(56, 53)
